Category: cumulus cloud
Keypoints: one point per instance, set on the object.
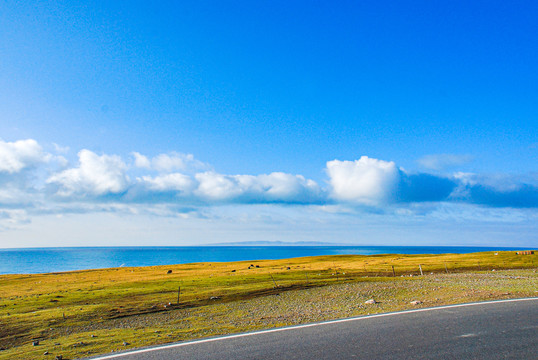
(443, 161)
(365, 181)
(274, 187)
(175, 183)
(141, 161)
(172, 161)
(21, 154)
(169, 182)
(95, 175)
(218, 187)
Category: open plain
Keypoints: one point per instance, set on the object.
(84, 313)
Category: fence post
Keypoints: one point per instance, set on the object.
(178, 292)
(446, 269)
(393, 272)
(273, 280)
(420, 267)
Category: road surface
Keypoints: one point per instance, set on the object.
(489, 330)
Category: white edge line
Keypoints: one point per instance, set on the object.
(294, 327)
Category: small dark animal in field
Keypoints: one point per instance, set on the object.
(257, 266)
(288, 268)
(233, 270)
(169, 272)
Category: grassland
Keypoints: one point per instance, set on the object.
(83, 313)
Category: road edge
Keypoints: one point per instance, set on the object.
(302, 326)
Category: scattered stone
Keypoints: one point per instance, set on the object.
(416, 302)
(59, 357)
(233, 270)
(370, 302)
(214, 298)
(46, 353)
(169, 272)
(288, 268)
(92, 335)
(35, 343)
(57, 344)
(493, 270)
(125, 343)
(257, 266)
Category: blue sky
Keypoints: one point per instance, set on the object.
(139, 123)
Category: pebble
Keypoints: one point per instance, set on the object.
(370, 302)
(416, 302)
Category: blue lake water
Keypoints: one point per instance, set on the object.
(44, 260)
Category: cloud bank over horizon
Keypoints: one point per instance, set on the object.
(35, 182)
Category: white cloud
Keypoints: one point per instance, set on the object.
(218, 187)
(365, 181)
(173, 161)
(169, 182)
(141, 161)
(279, 185)
(443, 161)
(274, 187)
(21, 154)
(96, 175)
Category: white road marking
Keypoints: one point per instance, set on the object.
(141, 351)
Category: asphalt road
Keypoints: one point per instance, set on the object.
(492, 330)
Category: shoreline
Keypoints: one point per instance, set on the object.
(66, 259)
